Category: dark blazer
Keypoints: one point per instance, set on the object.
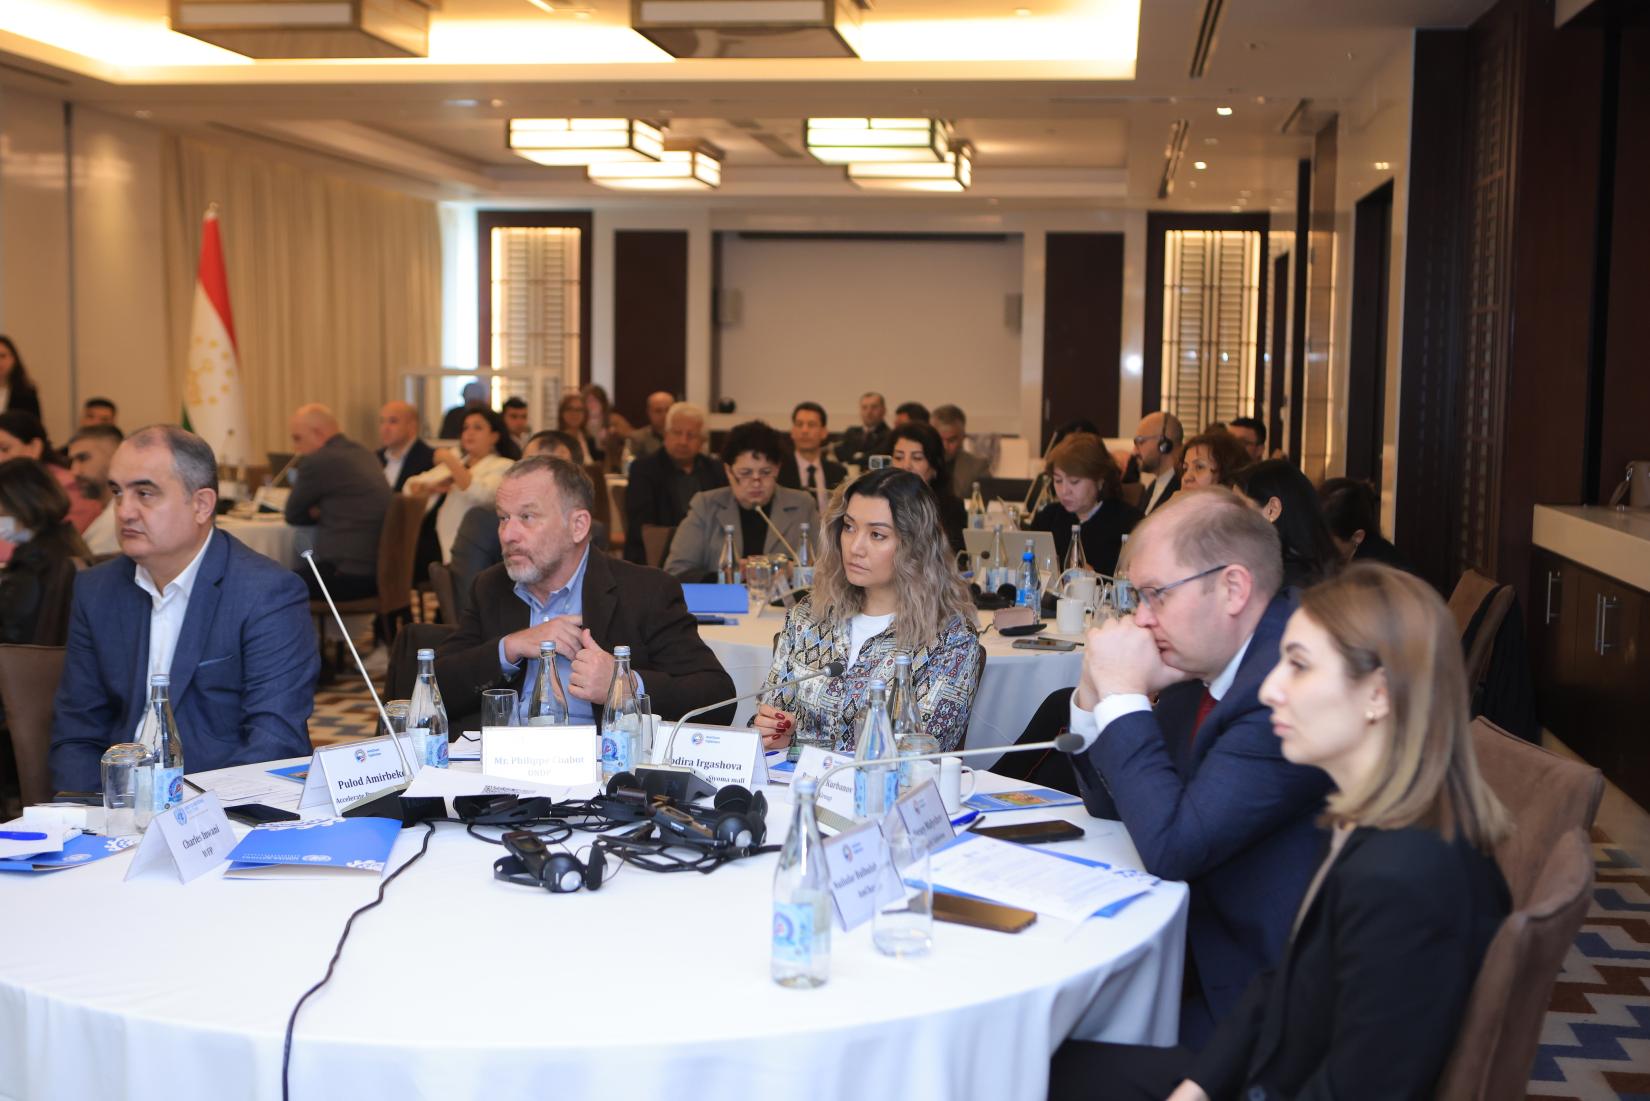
(1102, 533)
(420, 457)
(346, 487)
(624, 605)
(1228, 815)
(24, 399)
(243, 674)
(1369, 995)
(1146, 497)
(660, 493)
(1377, 548)
(35, 587)
(859, 442)
(791, 478)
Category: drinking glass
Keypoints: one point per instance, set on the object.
(499, 707)
(120, 766)
(650, 725)
(758, 580)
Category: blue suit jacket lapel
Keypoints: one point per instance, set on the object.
(133, 616)
(197, 621)
(1257, 662)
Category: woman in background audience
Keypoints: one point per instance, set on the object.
(886, 580)
(36, 583)
(571, 416)
(465, 479)
(16, 388)
(1287, 499)
(605, 430)
(916, 446)
(1353, 514)
(1368, 998)
(23, 437)
(1085, 481)
(1212, 459)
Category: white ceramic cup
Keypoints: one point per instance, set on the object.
(1068, 615)
(951, 792)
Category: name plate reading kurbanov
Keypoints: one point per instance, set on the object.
(562, 756)
(721, 755)
(836, 795)
(341, 776)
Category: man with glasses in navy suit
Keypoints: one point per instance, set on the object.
(230, 626)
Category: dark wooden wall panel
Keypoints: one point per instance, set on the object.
(1082, 329)
(1625, 412)
(650, 286)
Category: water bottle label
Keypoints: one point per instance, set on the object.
(615, 753)
(435, 748)
(167, 788)
(863, 790)
(793, 933)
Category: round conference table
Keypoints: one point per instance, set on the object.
(461, 986)
(271, 536)
(1015, 682)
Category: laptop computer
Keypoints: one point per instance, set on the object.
(977, 541)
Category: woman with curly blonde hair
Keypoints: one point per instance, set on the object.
(885, 581)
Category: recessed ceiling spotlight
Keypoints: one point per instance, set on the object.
(462, 102)
(581, 15)
(1235, 209)
(495, 103)
(1211, 141)
(1022, 12)
(1382, 166)
(1223, 111)
(1200, 165)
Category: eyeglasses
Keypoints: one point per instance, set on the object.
(1153, 595)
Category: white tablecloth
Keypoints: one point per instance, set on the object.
(1015, 683)
(460, 986)
(272, 537)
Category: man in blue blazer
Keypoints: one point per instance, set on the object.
(230, 626)
(1199, 779)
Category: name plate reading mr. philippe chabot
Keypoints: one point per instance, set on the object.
(562, 756)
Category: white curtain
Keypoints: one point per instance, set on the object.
(335, 285)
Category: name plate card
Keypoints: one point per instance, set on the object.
(562, 756)
(341, 776)
(189, 840)
(861, 876)
(836, 795)
(721, 755)
(924, 815)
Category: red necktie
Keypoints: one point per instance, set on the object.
(1204, 706)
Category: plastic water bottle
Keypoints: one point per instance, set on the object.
(876, 787)
(160, 776)
(621, 720)
(427, 718)
(1026, 594)
(997, 575)
(727, 571)
(905, 925)
(976, 508)
(803, 576)
(548, 705)
(802, 898)
(1075, 558)
(909, 736)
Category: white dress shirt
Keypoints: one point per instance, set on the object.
(1089, 724)
(821, 494)
(393, 462)
(166, 614)
(103, 534)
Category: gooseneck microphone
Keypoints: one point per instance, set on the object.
(773, 527)
(680, 786)
(1065, 743)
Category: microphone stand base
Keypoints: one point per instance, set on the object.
(679, 784)
(397, 806)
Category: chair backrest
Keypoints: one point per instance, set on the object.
(28, 683)
(1548, 796)
(1479, 604)
(1496, 1044)
(601, 508)
(397, 548)
(441, 580)
(656, 542)
(403, 670)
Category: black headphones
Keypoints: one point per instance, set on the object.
(737, 820)
(1164, 443)
(532, 864)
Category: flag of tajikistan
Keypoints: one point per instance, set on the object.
(214, 400)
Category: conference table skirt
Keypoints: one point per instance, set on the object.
(461, 986)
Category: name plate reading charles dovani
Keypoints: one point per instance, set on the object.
(563, 756)
(835, 805)
(343, 775)
(187, 840)
(721, 755)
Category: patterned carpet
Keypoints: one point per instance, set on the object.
(1595, 1043)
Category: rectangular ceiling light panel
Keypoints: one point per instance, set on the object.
(307, 29)
(682, 166)
(955, 173)
(750, 28)
(574, 142)
(860, 141)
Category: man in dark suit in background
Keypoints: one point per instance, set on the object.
(870, 436)
(808, 468)
(1157, 444)
(339, 489)
(231, 627)
(402, 453)
(663, 484)
(550, 587)
(1200, 780)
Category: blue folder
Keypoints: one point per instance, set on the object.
(716, 599)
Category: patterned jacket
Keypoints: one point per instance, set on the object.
(944, 673)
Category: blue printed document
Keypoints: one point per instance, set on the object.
(1023, 799)
(76, 851)
(318, 847)
(1017, 875)
(716, 599)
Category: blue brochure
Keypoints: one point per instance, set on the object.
(1021, 799)
(321, 846)
(716, 599)
(76, 851)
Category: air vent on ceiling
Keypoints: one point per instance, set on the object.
(309, 28)
(749, 28)
(1207, 28)
(1172, 152)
